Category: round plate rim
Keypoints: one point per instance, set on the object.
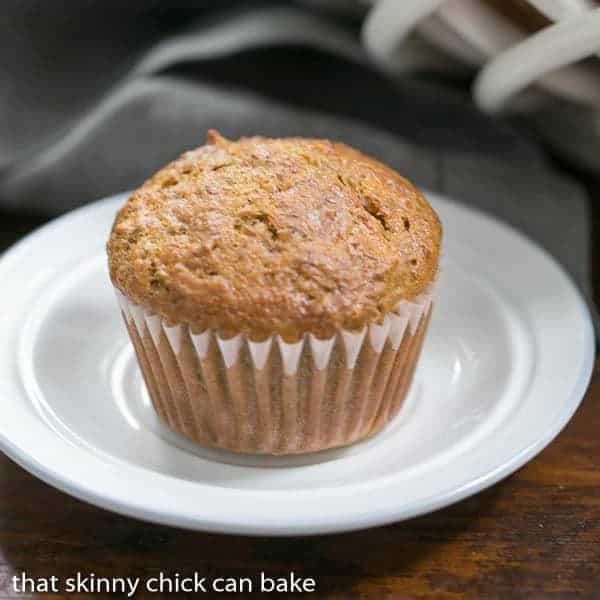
(274, 524)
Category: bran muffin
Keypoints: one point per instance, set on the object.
(276, 291)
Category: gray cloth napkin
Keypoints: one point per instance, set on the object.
(96, 98)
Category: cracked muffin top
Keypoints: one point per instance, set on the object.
(265, 235)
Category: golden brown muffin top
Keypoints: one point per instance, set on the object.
(262, 236)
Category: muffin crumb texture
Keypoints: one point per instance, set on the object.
(261, 236)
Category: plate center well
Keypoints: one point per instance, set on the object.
(82, 378)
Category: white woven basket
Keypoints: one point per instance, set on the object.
(509, 59)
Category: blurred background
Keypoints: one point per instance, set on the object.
(494, 103)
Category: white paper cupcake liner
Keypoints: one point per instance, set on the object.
(274, 397)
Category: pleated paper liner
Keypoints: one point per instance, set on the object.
(274, 397)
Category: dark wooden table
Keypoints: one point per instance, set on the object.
(534, 535)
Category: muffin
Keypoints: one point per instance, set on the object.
(276, 291)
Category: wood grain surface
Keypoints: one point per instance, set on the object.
(534, 535)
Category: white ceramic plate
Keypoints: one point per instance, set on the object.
(506, 363)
